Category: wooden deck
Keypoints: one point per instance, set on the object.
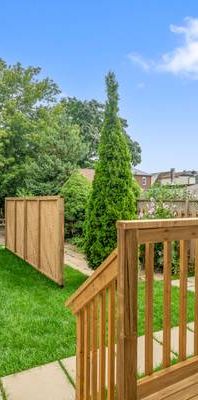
(186, 389)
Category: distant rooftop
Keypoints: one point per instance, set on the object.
(139, 172)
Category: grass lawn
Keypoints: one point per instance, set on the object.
(35, 326)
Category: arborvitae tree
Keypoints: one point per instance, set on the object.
(112, 196)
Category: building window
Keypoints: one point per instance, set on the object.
(144, 181)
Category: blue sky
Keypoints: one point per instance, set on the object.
(151, 45)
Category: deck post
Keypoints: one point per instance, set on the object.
(127, 313)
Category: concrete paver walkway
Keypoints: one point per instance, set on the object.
(48, 382)
(190, 283)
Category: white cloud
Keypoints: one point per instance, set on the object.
(140, 61)
(183, 60)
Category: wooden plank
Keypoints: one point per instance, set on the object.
(127, 315)
(101, 278)
(111, 341)
(102, 350)
(25, 231)
(167, 234)
(196, 301)
(42, 245)
(159, 380)
(61, 239)
(94, 363)
(158, 223)
(149, 267)
(52, 198)
(87, 352)
(80, 357)
(182, 390)
(167, 306)
(183, 300)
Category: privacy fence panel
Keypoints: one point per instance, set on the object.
(35, 232)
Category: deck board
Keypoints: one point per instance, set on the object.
(186, 389)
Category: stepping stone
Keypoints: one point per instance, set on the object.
(70, 363)
(191, 288)
(47, 382)
(157, 354)
(70, 366)
(175, 340)
(190, 326)
(175, 282)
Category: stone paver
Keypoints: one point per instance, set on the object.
(48, 382)
(190, 326)
(76, 260)
(190, 284)
(175, 340)
(70, 363)
(157, 354)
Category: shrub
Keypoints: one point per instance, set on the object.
(75, 191)
(112, 196)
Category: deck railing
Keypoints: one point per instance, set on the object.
(106, 309)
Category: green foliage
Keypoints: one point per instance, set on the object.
(165, 192)
(60, 150)
(75, 191)
(22, 95)
(89, 116)
(112, 196)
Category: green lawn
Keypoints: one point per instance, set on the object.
(35, 326)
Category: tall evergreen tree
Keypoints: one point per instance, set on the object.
(112, 196)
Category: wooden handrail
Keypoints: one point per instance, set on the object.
(157, 223)
(101, 278)
(106, 309)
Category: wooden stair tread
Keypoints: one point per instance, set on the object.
(186, 389)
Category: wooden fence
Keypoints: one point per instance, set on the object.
(35, 233)
(106, 308)
(179, 208)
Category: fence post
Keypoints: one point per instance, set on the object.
(127, 313)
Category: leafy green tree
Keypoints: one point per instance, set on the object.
(75, 191)
(60, 150)
(22, 95)
(112, 196)
(89, 116)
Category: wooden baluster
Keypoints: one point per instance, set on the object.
(167, 305)
(183, 299)
(87, 352)
(149, 266)
(94, 349)
(80, 357)
(196, 300)
(102, 350)
(127, 314)
(111, 341)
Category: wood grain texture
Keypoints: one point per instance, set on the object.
(183, 299)
(87, 352)
(35, 232)
(94, 338)
(102, 347)
(196, 301)
(149, 269)
(127, 315)
(167, 306)
(111, 341)
(80, 356)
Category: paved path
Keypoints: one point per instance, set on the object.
(76, 260)
(190, 283)
(56, 381)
